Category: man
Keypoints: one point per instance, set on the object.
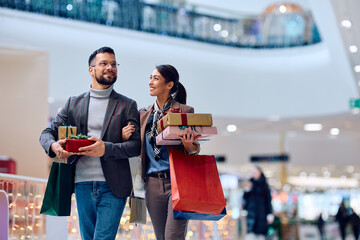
(102, 173)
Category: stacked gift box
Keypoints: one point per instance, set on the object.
(73, 141)
(174, 124)
(196, 188)
(66, 131)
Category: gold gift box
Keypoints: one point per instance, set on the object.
(184, 119)
(65, 134)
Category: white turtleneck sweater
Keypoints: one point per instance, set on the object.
(89, 168)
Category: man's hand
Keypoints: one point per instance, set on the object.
(57, 148)
(97, 149)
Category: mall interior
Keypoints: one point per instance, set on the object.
(280, 78)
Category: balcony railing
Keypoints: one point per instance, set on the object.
(25, 221)
(184, 21)
(25, 199)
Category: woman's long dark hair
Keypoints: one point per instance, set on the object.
(171, 75)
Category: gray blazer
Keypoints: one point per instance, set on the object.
(115, 162)
(144, 117)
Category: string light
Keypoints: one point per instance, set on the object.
(26, 222)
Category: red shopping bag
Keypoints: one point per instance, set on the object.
(195, 183)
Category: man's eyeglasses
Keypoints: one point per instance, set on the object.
(105, 64)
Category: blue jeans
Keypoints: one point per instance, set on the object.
(99, 210)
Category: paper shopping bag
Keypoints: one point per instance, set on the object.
(137, 210)
(195, 183)
(59, 188)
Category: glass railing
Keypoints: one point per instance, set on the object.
(270, 30)
(25, 199)
(25, 221)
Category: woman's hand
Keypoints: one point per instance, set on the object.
(188, 139)
(127, 132)
(247, 185)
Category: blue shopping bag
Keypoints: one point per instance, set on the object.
(198, 216)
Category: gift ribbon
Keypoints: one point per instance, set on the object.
(162, 124)
(191, 128)
(183, 119)
(67, 127)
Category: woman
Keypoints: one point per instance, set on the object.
(257, 201)
(170, 97)
(342, 218)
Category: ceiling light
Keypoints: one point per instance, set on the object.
(330, 182)
(286, 187)
(217, 27)
(231, 128)
(69, 7)
(327, 174)
(312, 175)
(353, 49)
(182, 11)
(282, 9)
(346, 23)
(224, 33)
(334, 131)
(350, 169)
(312, 127)
(357, 68)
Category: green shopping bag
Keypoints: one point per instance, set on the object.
(59, 188)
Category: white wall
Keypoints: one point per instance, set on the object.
(23, 108)
(303, 150)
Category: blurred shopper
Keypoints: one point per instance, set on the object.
(170, 96)
(321, 224)
(342, 218)
(257, 203)
(102, 176)
(354, 221)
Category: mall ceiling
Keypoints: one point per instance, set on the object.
(329, 148)
(347, 24)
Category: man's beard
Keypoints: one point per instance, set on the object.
(104, 81)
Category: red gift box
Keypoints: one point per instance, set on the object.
(73, 145)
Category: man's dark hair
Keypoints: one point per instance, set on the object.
(100, 50)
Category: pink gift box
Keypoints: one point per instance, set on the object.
(170, 134)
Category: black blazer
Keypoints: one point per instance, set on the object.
(115, 162)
